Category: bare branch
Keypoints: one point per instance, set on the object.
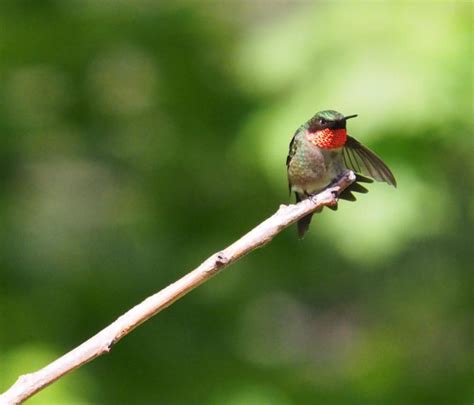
(29, 384)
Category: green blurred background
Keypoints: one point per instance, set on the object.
(138, 137)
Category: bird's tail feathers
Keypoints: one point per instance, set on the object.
(303, 225)
(356, 187)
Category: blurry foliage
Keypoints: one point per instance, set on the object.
(138, 137)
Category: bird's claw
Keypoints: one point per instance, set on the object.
(313, 198)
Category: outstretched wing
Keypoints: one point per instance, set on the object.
(362, 160)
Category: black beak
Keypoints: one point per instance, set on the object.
(350, 116)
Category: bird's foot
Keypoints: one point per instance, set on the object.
(314, 198)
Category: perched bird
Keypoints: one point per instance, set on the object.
(321, 151)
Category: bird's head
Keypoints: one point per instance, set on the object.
(328, 119)
(327, 129)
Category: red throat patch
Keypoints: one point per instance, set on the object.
(328, 138)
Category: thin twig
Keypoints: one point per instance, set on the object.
(29, 384)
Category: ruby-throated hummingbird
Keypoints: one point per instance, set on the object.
(321, 151)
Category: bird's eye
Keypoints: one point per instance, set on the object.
(322, 121)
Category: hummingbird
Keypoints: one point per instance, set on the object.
(319, 153)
